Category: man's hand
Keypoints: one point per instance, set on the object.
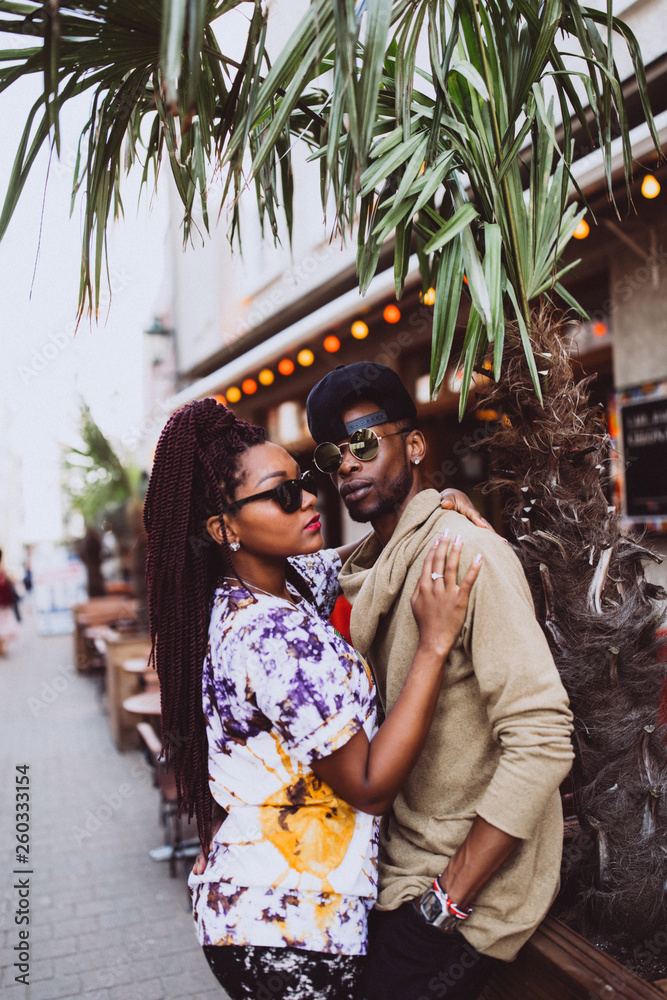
(451, 499)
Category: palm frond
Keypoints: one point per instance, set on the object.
(432, 154)
(152, 70)
(444, 162)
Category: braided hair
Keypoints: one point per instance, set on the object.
(195, 472)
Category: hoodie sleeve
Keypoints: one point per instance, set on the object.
(521, 689)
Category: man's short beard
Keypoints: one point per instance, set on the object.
(389, 496)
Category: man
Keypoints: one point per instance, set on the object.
(480, 813)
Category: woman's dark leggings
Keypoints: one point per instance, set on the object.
(255, 973)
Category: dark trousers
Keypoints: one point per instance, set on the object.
(409, 959)
(257, 973)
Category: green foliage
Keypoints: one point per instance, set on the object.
(159, 85)
(447, 161)
(98, 481)
(439, 157)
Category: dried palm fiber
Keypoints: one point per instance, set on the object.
(600, 617)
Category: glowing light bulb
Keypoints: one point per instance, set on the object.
(331, 344)
(305, 357)
(249, 386)
(582, 230)
(429, 297)
(650, 187)
(266, 377)
(220, 399)
(233, 394)
(286, 367)
(391, 314)
(359, 330)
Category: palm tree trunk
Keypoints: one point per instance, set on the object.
(600, 618)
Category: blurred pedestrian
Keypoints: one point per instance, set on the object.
(8, 608)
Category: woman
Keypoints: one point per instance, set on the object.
(268, 712)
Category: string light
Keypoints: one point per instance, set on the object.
(391, 314)
(650, 187)
(429, 297)
(599, 329)
(305, 357)
(266, 377)
(359, 330)
(331, 344)
(582, 230)
(249, 386)
(220, 399)
(233, 394)
(286, 367)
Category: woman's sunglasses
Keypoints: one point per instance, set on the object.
(364, 444)
(288, 494)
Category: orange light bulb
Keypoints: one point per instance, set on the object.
(650, 187)
(391, 314)
(233, 394)
(249, 386)
(331, 344)
(305, 357)
(359, 330)
(286, 367)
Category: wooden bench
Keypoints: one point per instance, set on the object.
(121, 684)
(95, 613)
(558, 964)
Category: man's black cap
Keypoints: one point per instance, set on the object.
(350, 384)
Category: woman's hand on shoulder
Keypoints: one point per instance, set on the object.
(451, 499)
(439, 603)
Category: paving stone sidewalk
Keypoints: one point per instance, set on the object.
(106, 922)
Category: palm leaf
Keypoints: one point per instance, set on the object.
(387, 150)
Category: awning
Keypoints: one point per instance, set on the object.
(345, 307)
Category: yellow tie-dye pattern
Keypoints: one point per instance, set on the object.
(305, 821)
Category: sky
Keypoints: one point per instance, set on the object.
(47, 365)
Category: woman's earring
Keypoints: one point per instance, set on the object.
(235, 546)
(417, 461)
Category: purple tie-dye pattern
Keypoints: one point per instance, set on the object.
(292, 865)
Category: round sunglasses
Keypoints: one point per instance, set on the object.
(289, 495)
(364, 444)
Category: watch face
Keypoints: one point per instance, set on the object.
(431, 907)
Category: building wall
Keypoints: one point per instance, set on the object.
(639, 314)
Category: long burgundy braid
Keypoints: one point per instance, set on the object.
(196, 459)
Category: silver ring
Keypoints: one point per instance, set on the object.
(437, 576)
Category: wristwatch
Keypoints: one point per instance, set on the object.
(438, 910)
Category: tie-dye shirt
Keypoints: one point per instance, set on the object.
(292, 864)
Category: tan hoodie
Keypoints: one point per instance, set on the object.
(499, 745)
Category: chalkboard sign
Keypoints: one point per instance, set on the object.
(644, 428)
